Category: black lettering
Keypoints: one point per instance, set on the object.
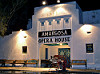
(67, 39)
(63, 39)
(59, 39)
(40, 40)
(56, 40)
(51, 40)
(47, 40)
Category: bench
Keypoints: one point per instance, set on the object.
(45, 63)
(79, 63)
(32, 61)
(19, 62)
(9, 62)
(14, 62)
(4, 61)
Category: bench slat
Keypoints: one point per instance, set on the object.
(79, 62)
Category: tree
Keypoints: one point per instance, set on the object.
(7, 10)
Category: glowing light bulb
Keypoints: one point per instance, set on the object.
(44, 2)
(58, 1)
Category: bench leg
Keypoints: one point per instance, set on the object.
(36, 64)
(3, 65)
(24, 65)
(13, 65)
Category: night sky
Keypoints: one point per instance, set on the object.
(85, 5)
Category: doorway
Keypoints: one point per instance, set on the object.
(66, 53)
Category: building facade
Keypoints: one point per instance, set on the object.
(60, 29)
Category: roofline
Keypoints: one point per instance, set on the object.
(71, 2)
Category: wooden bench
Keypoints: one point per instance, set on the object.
(32, 61)
(4, 61)
(9, 62)
(46, 62)
(14, 62)
(79, 62)
(19, 62)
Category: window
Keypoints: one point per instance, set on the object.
(67, 20)
(89, 48)
(24, 49)
(50, 23)
(58, 21)
(42, 23)
(93, 16)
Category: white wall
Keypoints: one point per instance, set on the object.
(11, 45)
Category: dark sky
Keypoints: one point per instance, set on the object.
(85, 5)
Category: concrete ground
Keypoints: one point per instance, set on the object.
(45, 69)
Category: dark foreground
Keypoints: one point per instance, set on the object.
(31, 70)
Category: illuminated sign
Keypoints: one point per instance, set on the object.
(54, 33)
(51, 40)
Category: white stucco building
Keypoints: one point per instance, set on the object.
(57, 29)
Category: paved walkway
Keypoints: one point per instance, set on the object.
(45, 69)
(28, 69)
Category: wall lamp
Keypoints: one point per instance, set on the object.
(25, 36)
(88, 32)
(22, 33)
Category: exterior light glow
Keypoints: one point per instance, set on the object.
(87, 28)
(60, 10)
(44, 2)
(22, 34)
(21, 30)
(60, 43)
(46, 10)
(58, 1)
(21, 38)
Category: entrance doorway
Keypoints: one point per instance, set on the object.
(65, 52)
(54, 50)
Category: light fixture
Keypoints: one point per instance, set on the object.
(58, 1)
(25, 36)
(21, 30)
(88, 32)
(22, 33)
(44, 2)
(87, 28)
